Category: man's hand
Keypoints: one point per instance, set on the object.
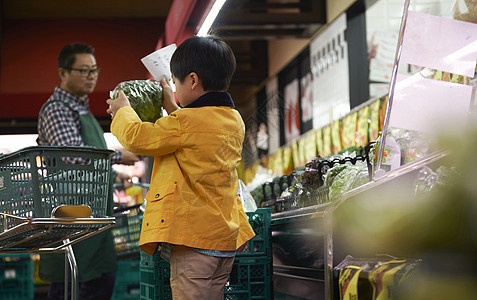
(125, 179)
(117, 103)
(128, 158)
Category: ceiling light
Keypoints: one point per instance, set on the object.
(209, 20)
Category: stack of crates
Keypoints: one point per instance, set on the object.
(127, 280)
(126, 232)
(16, 277)
(126, 239)
(251, 275)
(155, 277)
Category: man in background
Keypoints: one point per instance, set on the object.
(66, 120)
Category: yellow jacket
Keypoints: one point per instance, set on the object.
(192, 199)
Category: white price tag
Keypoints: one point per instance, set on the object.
(158, 62)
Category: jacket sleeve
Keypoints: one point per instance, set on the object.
(145, 138)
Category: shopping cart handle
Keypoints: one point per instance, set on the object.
(120, 185)
(71, 211)
(122, 209)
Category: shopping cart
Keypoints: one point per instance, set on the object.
(50, 196)
(127, 230)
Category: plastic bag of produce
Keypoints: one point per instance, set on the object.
(345, 177)
(248, 202)
(145, 97)
(340, 182)
(414, 145)
(391, 158)
(361, 177)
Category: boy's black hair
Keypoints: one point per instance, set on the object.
(208, 56)
(67, 55)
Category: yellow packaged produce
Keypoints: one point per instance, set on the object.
(383, 279)
(348, 282)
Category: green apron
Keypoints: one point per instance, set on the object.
(94, 255)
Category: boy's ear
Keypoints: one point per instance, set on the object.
(194, 80)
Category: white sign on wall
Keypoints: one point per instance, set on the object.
(329, 65)
(306, 98)
(273, 115)
(292, 111)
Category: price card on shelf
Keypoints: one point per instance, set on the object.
(158, 62)
(427, 105)
(440, 43)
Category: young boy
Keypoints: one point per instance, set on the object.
(192, 203)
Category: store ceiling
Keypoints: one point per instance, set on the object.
(245, 24)
(85, 9)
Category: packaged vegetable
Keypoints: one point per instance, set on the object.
(145, 97)
(345, 177)
(341, 180)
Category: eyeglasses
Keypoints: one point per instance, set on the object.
(86, 72)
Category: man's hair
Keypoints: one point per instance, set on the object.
(67, 55)
(208, 56)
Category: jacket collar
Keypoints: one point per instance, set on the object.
(213, 99)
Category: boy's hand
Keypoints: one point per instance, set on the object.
(117, 103)
(168, 101)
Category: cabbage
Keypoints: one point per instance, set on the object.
(145, 97)
(345, 177)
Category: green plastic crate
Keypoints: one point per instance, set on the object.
(261, 244)
(128, 280)
(250, 278)
(126, 233)
(16, 279)
(34, 180)
(155, 277)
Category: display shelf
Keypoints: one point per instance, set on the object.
(347, 215)
(298, 252)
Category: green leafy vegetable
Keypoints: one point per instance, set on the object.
(332, 173)
(145, 97)
(345, 177)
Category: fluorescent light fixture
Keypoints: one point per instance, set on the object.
(209, 20)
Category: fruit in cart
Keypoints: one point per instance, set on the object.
(145, 97)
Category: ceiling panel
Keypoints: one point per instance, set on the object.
(84, 9)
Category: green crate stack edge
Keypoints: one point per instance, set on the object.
(16, 277)
(126, 233)
(127, 283)
(251, 275)
(126, 238)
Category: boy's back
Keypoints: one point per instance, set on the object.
(192, 202)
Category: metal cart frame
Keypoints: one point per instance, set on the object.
(37, 235)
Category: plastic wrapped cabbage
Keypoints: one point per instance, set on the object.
(145, 97)
(345, 177)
